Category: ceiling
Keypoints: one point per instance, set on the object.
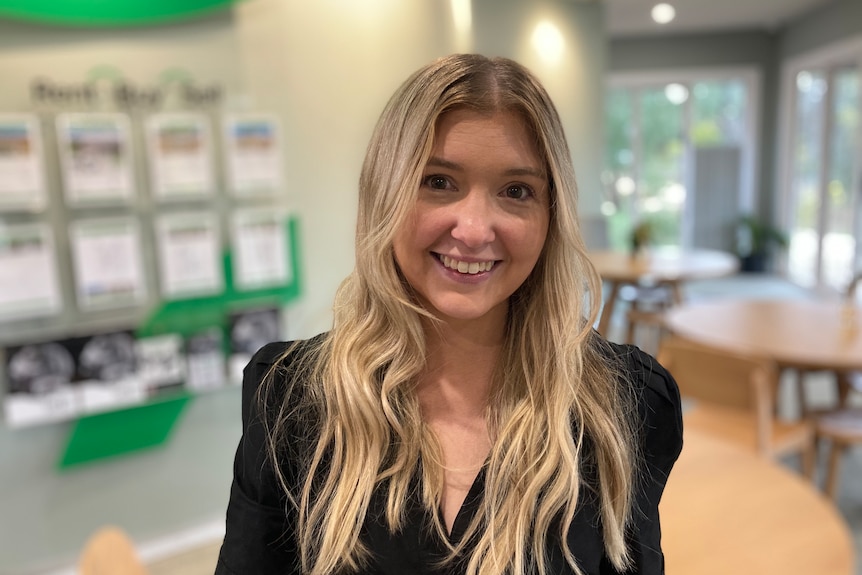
(632, 17)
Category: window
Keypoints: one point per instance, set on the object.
(672, 144)
(821, 191)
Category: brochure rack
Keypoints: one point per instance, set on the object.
(148, 425)
(155, 253)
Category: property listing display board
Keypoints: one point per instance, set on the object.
(141, 255)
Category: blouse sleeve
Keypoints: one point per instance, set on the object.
(259, 537)
(660, 419)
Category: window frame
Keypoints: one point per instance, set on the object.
(828, 58)
(749, 172)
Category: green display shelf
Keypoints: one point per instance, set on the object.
(123, 431)
(140, 427)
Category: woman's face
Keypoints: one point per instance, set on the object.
(480, 218)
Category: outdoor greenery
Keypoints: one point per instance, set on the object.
(653, 129)
(647, 147)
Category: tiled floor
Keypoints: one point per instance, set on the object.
(201, 560)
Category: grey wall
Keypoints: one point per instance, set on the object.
(763, 50)
(750, 48)
(570, 81)
(840, 20)
(690, 51)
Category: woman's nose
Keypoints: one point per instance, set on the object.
(474, 220)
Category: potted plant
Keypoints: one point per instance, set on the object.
(756, 241)
(640, 237)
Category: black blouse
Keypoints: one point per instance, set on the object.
(259, 537)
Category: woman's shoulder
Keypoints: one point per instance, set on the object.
(644, 372)
(288, 358)
(658, 400)
(286, 353)
(637, 368)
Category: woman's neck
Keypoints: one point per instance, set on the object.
(460, 365)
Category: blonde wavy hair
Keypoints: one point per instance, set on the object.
(557, 403)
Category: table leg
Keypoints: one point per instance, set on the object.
(608, 309)
(844, 386)
(675, 292)
(833, 469)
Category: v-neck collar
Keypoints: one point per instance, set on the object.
(468, 508)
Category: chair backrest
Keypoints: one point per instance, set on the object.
(719, 378)
(736, 385)
(109, 551)
(853, 288)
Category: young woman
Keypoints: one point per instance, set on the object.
(461, 416)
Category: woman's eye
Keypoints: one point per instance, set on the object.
(518, 192)
(437, 182)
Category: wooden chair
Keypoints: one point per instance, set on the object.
(842, 428)
(645, 328)
(734, 398)
(648, 301)
(109, 551)
(850, 382)
(847, 382)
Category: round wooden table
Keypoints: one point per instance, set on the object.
(665, 266)
(794, 333)
(726, 510)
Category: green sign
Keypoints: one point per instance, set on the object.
(108, 12)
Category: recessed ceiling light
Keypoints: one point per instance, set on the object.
(663, 13)
(548, 42)
(676, 93)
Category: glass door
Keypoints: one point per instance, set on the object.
(826, 208)
(656, 133)
(646, 161)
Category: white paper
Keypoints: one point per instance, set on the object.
(160, 360)
(22, 175)
(189, 255)
(261, 257)
(97, 396)
(107, 367)
(179, 147)
(21, 410)
(28, 272)
(39, 384)
(205, 357)
(95, 157)
(107, 262)
(253, 155)
(250, 330)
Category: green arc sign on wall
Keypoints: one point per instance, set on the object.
(108, 12)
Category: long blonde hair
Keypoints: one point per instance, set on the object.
(557, 403)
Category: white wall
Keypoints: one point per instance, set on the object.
(329, 68)
(326, 67)
(575, 79)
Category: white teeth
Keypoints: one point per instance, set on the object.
(466, 267)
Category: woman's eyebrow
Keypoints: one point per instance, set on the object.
(441, 163)
(526, 171)
(436, 162)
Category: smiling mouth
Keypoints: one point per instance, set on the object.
(470, 268)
